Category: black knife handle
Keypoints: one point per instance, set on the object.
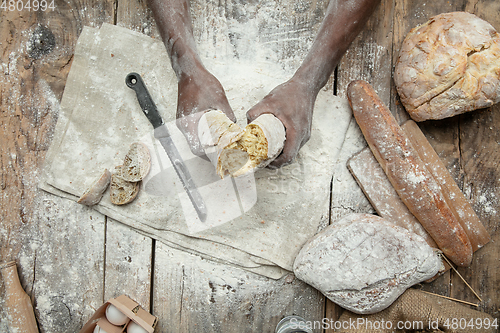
(135, 82)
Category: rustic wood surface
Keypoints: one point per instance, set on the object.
(71, 258)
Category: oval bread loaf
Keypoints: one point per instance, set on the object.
(449, 65)
(363, 263)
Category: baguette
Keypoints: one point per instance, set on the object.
(460, 207)
(381, 194)
(412, 181)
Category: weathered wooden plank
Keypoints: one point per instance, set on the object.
(479, 141)
(136, 15)
(441, 134)
(69, 264)
(193, 294)
(480, 158)
(128, 263)
(36, 50)
(369, 59)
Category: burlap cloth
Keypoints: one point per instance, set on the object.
(258, 222)
(419, 312)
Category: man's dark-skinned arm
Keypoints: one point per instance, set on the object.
(293, 101)
(198, 89)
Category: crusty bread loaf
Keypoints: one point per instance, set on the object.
(136, 163)
(121, 191)
(94, 192)
(449, 65)
(363, 263)
(407, 173)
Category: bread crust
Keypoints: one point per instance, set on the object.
(94, 192)
(412, 181)
(447, 66)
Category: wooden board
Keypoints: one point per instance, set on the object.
(45, 234)
(71, 259)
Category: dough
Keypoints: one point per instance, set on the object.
(448, 66)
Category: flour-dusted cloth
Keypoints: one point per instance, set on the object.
(258, 222)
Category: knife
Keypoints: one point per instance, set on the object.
(135, 82)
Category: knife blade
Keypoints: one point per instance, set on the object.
(135, 82)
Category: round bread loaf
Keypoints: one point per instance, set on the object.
(449, 65)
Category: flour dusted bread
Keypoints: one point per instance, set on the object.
(236, 151)
(448, 66)
(364, 263)
(216, 131)
(94, 192)
(406, 171)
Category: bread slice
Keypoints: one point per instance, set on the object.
(136, 163)
(94, 192)
(122, 191)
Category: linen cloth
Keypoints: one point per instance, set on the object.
(257, 222)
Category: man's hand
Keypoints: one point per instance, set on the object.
(198, 93)
(198, 90)
(291, 102)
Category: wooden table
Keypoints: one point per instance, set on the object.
(71, 258)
